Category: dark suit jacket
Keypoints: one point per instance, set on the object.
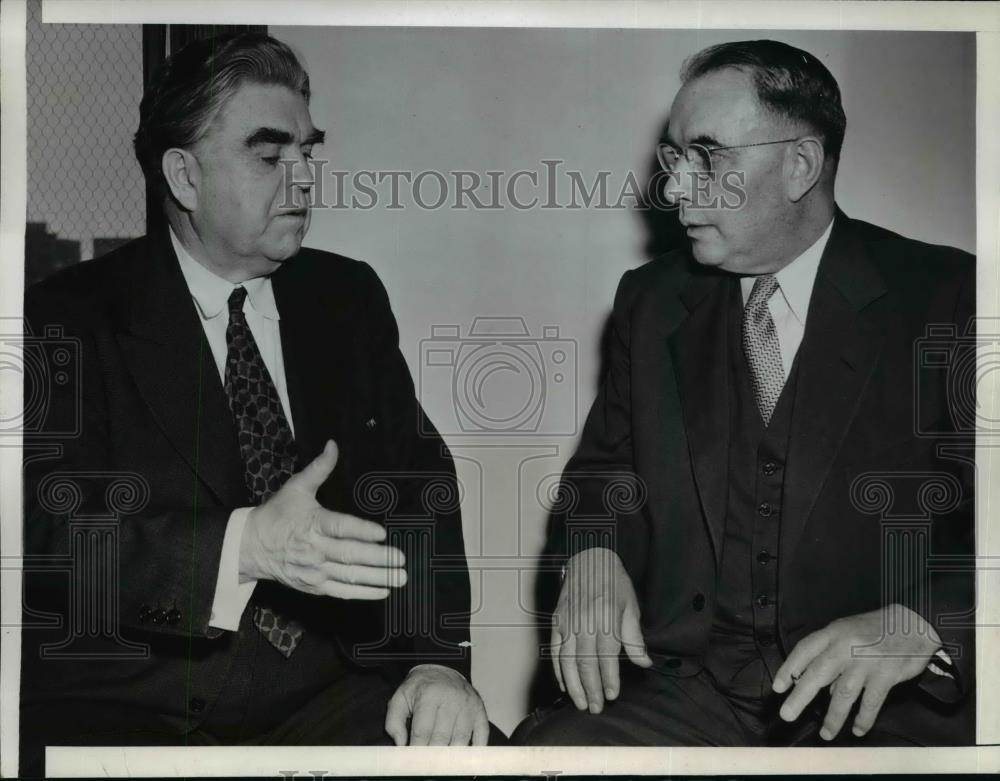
(146, 434)
(861, 478)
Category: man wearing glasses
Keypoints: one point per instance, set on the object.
(800, 471)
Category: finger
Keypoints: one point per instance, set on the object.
(608, 648)
(820, 673)
(344, 526)
(422, 723)
(395, 718)
(570, 675)
(332, 588)
(461, 733)
(555, 645)
(843, 694)
(631, 634)
(357, 575)
(590, 674)
(481, 729)
(444, 725)
(876, 690)
(317, 470)
(807, 649)
(371, 554)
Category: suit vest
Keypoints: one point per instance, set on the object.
(744, 647)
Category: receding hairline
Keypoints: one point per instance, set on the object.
(234, 90)
(763, 109)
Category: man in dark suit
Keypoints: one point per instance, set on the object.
(784, 479)
(280, 555)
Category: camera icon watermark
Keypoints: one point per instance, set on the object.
(956, 365)
(500, 379)
(49, 363)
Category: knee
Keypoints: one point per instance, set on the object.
(561, 725)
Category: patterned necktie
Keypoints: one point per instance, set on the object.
(265, 440)
(760, 345)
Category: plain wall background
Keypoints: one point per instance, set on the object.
(506, 99)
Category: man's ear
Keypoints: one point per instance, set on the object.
(806, 166)
(183, 176)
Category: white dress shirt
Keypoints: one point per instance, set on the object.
(211, 296)
(790, 302)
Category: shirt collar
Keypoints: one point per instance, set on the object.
(796, 280)
(211, 292)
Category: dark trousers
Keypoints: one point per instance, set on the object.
(349, 712)
(656, 709)
(313, 698)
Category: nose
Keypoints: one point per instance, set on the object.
(301, 176)
(677, 187)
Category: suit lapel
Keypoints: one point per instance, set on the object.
(315, 355)
(700, 350)
(838, 353)
(164, 347)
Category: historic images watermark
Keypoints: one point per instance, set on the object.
(548, 186)
(500, 378)
(48, 363)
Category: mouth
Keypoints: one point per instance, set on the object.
(689, 225)
(298, 213)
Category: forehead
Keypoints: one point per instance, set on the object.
(720, 105)
(261, 105)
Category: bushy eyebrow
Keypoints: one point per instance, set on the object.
(315, 137)
(268, 135)
(273, 135)
(704, 140)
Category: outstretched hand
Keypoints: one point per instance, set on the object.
(294, 540)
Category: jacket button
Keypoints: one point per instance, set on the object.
(196, 705)
(698, 603)
(764, 557)
(144, 613)
(173, 616)
(763, 600)
(764, 509)
(158, 617)
(769, 468)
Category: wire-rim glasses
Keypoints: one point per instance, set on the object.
(699, 156)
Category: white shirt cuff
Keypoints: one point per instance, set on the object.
(231, 596)
(937, 669)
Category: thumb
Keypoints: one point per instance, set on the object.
(395, 718)
(635, 646)
(317, 470)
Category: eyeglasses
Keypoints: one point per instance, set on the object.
(699, 156)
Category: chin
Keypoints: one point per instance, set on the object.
(705, 256)
(285, 250)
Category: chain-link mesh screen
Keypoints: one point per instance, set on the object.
(86, 192)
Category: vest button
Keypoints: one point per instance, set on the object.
(763, 600)
(196, 705)
(764, 509)
(769, 468)
(765, 639)
(764, 556)
(698, 603)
